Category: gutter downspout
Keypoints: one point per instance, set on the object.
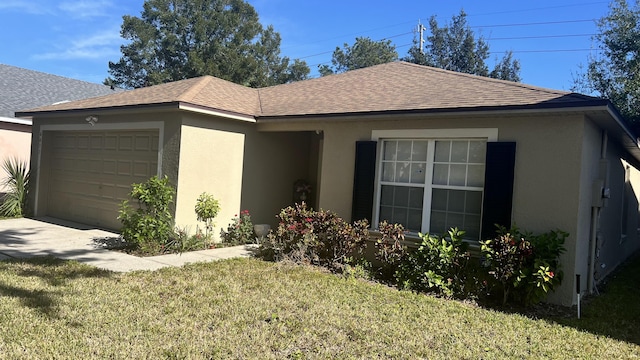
(601, 184)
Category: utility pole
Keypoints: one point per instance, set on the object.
(421, 29)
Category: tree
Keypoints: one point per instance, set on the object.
(507, 69)
(179, 39)
(615, 74)
(455, 47)
(364, 53)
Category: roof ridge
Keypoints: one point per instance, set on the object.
(194, 90)
(489, 79)
(260, 111)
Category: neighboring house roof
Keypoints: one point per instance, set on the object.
(397, 86)
(22, 89)
(12, 120)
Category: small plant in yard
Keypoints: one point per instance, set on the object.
(389, 249)
(314, 237)
(207, 208)
(439, 264)
(240, 231)
(183, 241)
(525, 266)
(14, 202)
(149, 226)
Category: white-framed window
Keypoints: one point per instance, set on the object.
(432, 183)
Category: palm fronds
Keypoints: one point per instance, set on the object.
(17, 187)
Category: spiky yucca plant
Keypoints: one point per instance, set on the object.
(17, 185)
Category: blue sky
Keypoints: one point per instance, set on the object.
(77, 38)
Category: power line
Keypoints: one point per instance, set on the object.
(540, 37)
(535, 23)
(544, 51)
(542, 8)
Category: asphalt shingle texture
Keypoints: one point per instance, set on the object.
(397, 86)
(22, 89)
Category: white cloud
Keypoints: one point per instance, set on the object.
(85, 8)
(105, 44)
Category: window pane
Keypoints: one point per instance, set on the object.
(455, 220)
(475, 175)
(416, 198)
(477, 151)
(385, 213)
(419, 152)
(474, 202)
(472, 226)
(442, 151)
(401, 197)
(459, 151)
(456, 200)
(399, 216)
(418, 173)
(440, 174)
(403, 205)
(439, 199)
(403, 172)
(438, 222)
(390, 150)
(458, 175)
(386, 195)
(415, 220)
(404, 150)
(388, 170)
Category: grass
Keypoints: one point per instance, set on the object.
(247, 308)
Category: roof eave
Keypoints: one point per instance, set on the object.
(175, 105)
(485, 110)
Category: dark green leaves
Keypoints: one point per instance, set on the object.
(180, 39)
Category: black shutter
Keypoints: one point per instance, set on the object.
(498, 187)
(364, 180)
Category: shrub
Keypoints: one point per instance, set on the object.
(240, 231)
(207, 208)
(14, 203)
(525, 266)
(389, 249)
(183, 241)
(314, 237)
(149, 226)
(438, 265)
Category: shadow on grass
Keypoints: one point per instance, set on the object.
(614, 313)
(18, 280)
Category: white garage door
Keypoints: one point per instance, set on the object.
(91, 172)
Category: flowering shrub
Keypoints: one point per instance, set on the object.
(526, 266)
(240, 231)
(314, 237)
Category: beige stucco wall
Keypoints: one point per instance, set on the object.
(210, 161)
(15, 143)
(242, 168)
(547, 172)
(612, 246)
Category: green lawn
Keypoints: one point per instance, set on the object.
(248, 308)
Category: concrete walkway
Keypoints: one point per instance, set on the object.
(23, 238)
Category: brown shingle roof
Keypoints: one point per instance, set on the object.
(397, 86)
(403, 86)
(205, 91)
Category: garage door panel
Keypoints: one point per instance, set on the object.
(92, 172)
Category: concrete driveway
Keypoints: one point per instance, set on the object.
(24, 238)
